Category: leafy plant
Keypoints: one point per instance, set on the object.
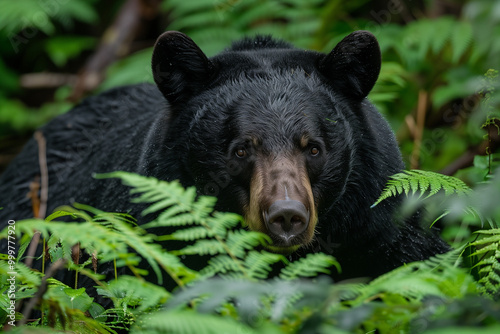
(215, 24)
(232, 289)
(413, 181)
(488, 249)
(483, 253)
(111, 239)
(41, 14)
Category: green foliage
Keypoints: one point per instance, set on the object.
(18, 116)
(188, 322)
(443, 57)
(108, 235)
(63, 48)
(309, 266)
(483, 253)
(41, 14)
(488, 249)
(213, 233)
(32, 39)
(115, 238)
(232, 290)
(413, 181)
(133, 69)
(215, 24)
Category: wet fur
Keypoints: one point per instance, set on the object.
(262, 93)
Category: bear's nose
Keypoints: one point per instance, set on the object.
(287, 218)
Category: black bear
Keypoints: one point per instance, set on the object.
(284, 137)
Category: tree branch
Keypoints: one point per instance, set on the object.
(115, 43)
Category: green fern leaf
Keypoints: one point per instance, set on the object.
(461, 38)
(439, 276)
(193, 233)
(488, 247)
(189, 322)
(423, 182)
(259, 264)
(489, 244)
(24, 275)
(221, 222)
(135, 292)
(443, 28)
(495, 231)
(310, 266)
(109, 237)
(240, 241)
(220, 265)
(203, 247)
(165, 220)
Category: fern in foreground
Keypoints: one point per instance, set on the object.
(413, 181)
(434, 185)
(212, 233)
(488, 249)
(233, 291)
(114, 240)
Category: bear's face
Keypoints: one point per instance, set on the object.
(267, 135)
(263, 152)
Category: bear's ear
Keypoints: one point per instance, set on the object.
(353, 65)
(180, 68)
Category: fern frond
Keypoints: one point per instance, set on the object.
(189, 322)
(137, 294)
(461, 39)
(192, 233)
(24, 275)
(413, 181)
(309, 266)
(273, 299)
(488, 247)
(178, 219)
(109, 236)
(438, 276)
(220, 265)
(443, 29)
(212, 232)
(38, 15)
(259, 264)
(220, 222)
(203, 247)
(241, 241)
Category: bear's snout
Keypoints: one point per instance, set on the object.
(281, 202)
(286, 219)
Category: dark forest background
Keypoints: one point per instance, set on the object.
(440, 58)
(439, 88)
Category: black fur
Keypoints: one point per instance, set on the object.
(262, 89)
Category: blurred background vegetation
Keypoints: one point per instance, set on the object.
(438, 88)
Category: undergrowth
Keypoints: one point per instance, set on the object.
(209, 275)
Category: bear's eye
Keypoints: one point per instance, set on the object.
(240, 152)
(314, 151)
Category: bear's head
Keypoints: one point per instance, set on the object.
(267, 128)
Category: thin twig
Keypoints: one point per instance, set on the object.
(419, 130)
(46, 80)
(41, 204)
(44, 172)
(116, 42)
